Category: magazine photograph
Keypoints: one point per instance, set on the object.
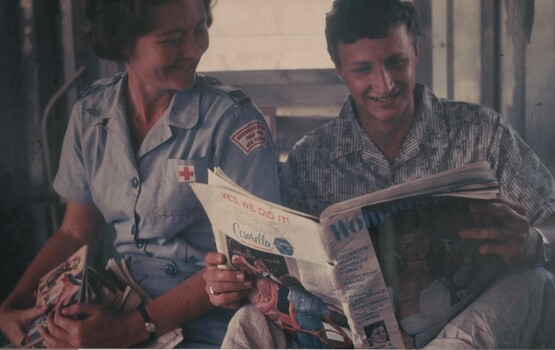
(61, 287)
(430, 271)
(76, 281)
(282, 298)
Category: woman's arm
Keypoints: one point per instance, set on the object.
(90, 325)
(81, 225)
(230, 287)
(99, 327)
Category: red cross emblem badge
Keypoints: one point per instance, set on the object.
(186, 173)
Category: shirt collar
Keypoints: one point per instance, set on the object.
(427, 128)
(349, 137)
(113, 116)
(430, 126)
(183, 111)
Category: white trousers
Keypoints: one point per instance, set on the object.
(516, 312)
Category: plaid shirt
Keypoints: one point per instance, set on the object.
(338, 161)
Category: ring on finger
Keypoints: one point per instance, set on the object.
(212, 291)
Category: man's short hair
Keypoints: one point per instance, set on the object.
(351, 20)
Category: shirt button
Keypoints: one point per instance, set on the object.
(133, 230)
(139, 244)
(135, 182)
(170, 269)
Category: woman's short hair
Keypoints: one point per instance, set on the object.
(115, 25)
(351, 20)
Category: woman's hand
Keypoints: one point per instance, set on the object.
(225, 288)
(85, 326)
(14, 322)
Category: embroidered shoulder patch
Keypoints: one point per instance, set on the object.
(250, 136)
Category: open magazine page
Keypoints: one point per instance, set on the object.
(367, 302)
(388, 269)
(295, 283)
(220, 179)
(474, 180)
(430, 273)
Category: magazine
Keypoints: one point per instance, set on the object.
(62, 286)
(74, 281)
(384, 270)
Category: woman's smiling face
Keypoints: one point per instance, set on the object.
(167, 57)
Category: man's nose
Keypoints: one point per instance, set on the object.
(383, 83)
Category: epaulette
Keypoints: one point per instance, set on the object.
(238, 96)
(99, 84)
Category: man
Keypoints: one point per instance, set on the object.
(391, 130)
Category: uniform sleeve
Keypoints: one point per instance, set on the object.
(71, 181)
(523, 177)
(245, 151)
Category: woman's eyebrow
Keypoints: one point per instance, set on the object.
(179, 30)
(170, 31)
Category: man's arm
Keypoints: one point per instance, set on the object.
(511, 236)
(529, 189)
(543, 255)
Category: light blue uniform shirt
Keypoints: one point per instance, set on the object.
(146, 196)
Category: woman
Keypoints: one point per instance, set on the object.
(424, 299)
(133, 144)
(410, 266)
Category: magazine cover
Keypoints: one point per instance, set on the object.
(61, 287)
(279, 294)
(430, 271)
(295, 271)
(74, 281)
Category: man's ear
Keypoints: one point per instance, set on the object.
(416, 48)
(338, 72)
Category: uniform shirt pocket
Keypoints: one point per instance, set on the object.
(175, 196)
